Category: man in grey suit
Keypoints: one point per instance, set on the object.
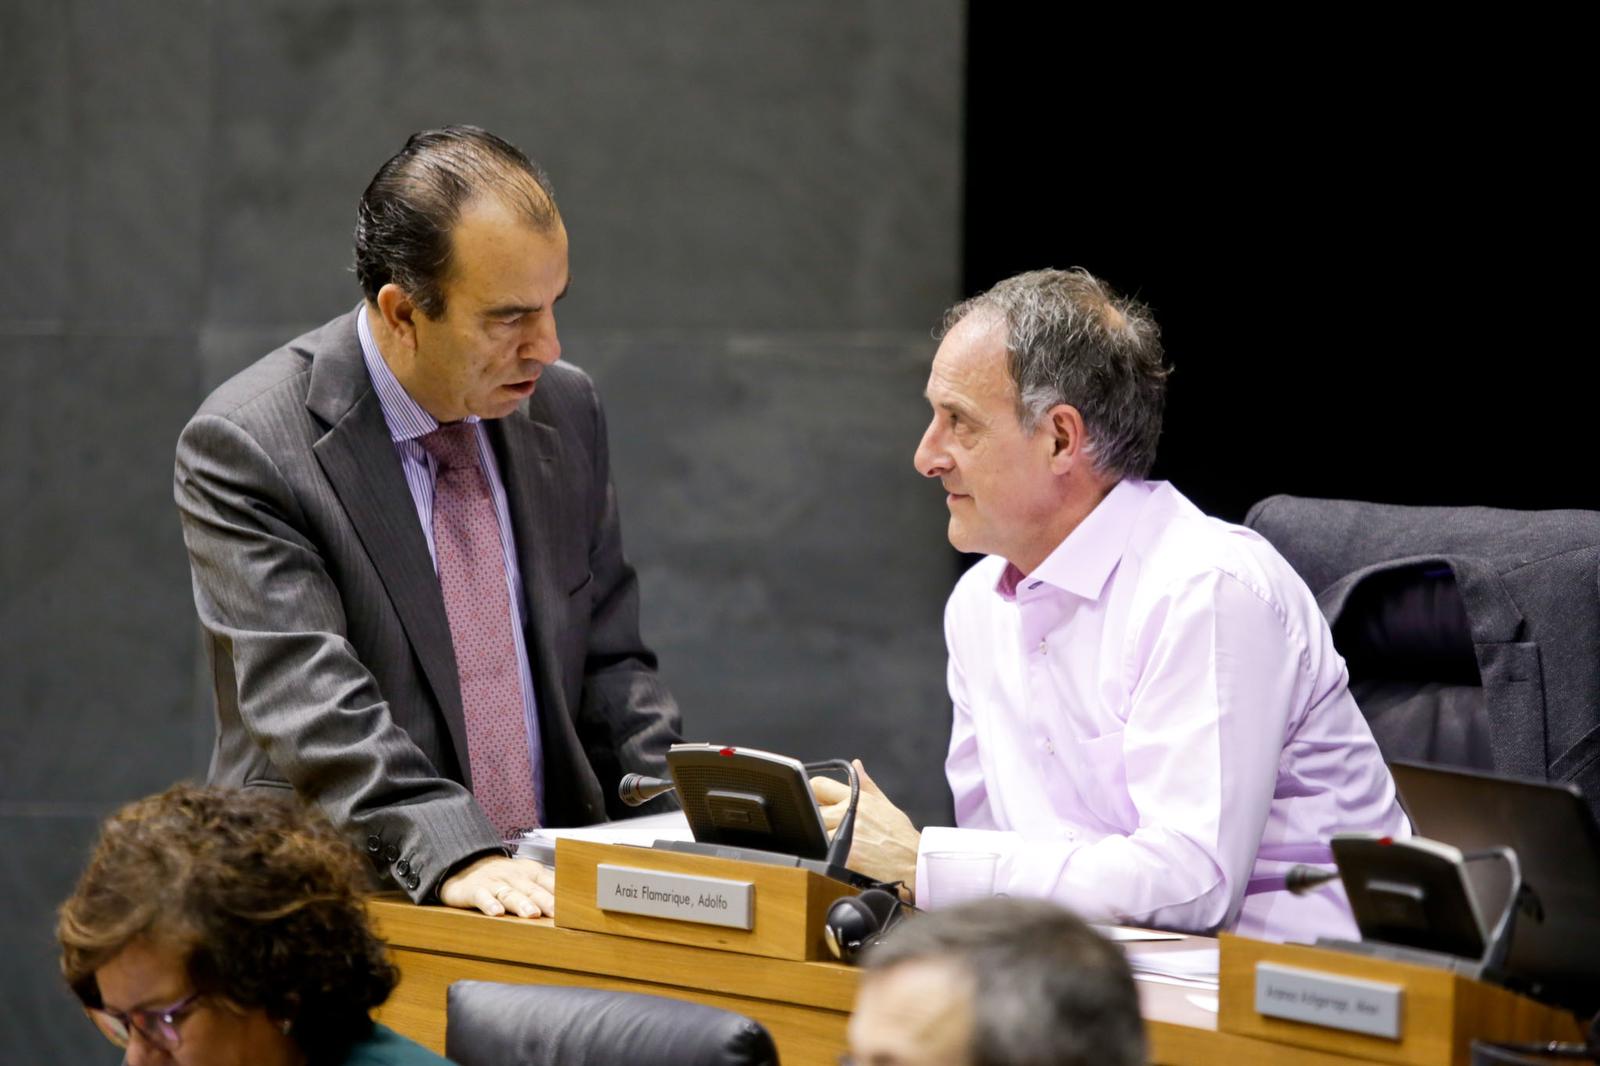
(405, 546)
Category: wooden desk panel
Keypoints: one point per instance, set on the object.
(1180, 1033)
(803, 1034)
(805, 1005)
(1442, 1011)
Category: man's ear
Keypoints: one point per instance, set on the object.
(1064, 427)
(399, 314)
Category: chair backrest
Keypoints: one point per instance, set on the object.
(1404, 633)
(1451, 620)
(541, 1025)
(1407, 642)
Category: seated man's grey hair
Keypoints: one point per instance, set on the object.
(1047, 990)
(1071, 340)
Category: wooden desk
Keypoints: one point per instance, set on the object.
(805, 1005)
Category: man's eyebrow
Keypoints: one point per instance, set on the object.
(506, 310)
(954, 406)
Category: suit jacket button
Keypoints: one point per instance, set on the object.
(374, 843)
(391, 853)
(413, 881)
(404, 868)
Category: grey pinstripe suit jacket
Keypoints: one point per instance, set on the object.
(329, 647)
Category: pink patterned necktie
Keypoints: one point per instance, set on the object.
(472, 575)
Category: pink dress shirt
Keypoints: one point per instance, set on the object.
(1153, 726)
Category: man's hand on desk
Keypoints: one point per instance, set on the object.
(496, 885)
(885, 843)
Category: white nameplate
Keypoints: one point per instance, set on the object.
(1333, 1000)
(682, 897)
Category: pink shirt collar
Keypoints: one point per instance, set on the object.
(1083, 562)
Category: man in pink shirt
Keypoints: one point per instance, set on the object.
(1151, 724)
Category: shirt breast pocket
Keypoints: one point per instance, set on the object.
(1098, 773)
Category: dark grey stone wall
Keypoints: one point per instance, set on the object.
(763, 202)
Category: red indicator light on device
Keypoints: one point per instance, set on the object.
(725, 751)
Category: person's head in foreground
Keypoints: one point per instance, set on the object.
(1046, 391)
(998, 982)
(223, 927)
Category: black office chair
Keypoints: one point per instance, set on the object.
(1472, 634)
(492, 1024)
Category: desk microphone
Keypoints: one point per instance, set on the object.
(1301, 878)
(844, 833)
(635, 789)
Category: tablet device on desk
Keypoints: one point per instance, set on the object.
(1412, 891)
(1557, 843)
(747, 798)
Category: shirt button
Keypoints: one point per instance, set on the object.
(1041, 647)
(1048, 746)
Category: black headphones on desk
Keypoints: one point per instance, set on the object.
(855, 923)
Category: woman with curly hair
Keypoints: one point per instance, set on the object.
(221, 928)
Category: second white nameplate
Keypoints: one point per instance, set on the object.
(682, 897)
(1333, 1000)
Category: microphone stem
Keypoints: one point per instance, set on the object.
(844, 835)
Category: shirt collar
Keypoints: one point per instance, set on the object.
(1082, 563)
(405, 417)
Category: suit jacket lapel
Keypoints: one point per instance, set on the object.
(358, 458)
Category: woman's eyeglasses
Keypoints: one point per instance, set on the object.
(158, 1027)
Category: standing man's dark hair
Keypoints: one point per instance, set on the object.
(1028, 984)
(405, 218)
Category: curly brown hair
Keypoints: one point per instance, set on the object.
(260, 893)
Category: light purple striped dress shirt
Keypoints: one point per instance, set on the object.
(1154, 726)
(407, 421)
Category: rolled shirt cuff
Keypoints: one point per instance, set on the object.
(1023, 868)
